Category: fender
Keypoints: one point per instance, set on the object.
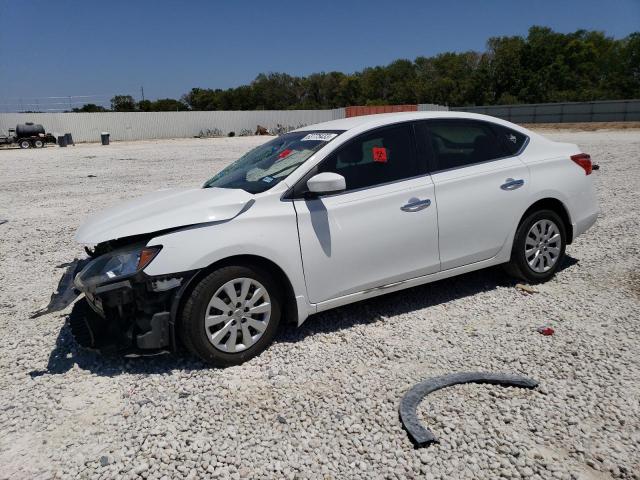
(268, 230)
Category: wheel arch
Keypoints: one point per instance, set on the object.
(289, 309)
(555, 205)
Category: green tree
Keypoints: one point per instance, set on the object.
(276, 91)
(123, 103)
(544, 66)
(90, 107)
(145, 106)
(168, 105)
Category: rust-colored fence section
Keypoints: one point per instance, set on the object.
(357, 111)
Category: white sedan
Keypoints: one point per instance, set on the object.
(324, 216)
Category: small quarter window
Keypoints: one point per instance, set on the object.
(513, 141)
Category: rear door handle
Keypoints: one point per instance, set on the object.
(511, 184)
(415, 205)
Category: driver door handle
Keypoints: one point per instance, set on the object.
(511, 184)
(415, 205)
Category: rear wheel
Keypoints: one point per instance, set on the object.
(24, 144)
(538, 247)
(232, 315)
(38, 143)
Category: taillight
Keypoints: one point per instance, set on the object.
(584, 160)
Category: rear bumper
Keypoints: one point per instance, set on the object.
(584, 224)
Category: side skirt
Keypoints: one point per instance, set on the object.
(412, 282)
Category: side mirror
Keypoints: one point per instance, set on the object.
(326, 182)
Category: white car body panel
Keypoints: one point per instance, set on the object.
(162, 210)
(412, 282)
(475, 226)
(362, 244)
(352, 241)
(267, 229)
(553, 177)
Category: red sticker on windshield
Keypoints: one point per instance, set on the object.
(284, 153)
(380, 154)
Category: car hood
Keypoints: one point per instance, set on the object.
(163, 210)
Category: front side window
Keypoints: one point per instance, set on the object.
(269, 164)
(459, 143)
(382, 156)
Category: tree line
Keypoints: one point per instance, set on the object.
(544, 66)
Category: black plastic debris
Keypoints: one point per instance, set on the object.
(421, 436)
(3, 221)
(65, 294)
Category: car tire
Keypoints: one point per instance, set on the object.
(24, 144)
(538, 247)
(38, 143)
(215, 342)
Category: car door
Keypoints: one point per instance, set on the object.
(480, 185)
(381, 229)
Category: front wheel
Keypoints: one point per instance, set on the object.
(232, 315)
(538, 247)
(25, 144)
(38, 143)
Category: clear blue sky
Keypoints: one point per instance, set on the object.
(64, 47)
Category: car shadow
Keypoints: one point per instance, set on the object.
(67, 353)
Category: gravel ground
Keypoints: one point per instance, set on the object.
(322, 401)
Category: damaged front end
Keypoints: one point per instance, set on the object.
(124, 309)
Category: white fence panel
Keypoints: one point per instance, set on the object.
(86, 127)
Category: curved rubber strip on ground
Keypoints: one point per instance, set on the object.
(421, 436)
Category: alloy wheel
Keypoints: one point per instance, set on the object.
(543, 245)
(237, 315)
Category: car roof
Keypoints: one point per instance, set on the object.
(381, 119)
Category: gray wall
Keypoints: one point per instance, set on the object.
(432, 107)
(604, 111)
(86, 127)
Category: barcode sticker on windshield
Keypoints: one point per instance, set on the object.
(319, 137)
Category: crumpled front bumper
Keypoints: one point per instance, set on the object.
(135, 314)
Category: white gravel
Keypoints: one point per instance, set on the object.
(322, 401)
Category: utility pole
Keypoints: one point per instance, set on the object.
(142, 92)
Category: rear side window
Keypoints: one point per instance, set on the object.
(512, 141)
(385, 155)
(460, 143)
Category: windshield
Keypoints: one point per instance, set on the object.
(269, 164)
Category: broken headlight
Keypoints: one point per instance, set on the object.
(115, 265)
